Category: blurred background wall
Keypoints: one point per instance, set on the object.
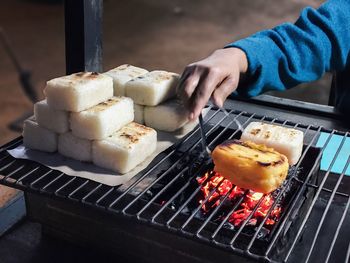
(155, 34)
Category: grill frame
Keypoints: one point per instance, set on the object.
(46, 189)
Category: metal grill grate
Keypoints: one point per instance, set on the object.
(171, 173)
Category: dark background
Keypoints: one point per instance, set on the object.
(154, 34)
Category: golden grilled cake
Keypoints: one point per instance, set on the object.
(125, 149)
(250, 166)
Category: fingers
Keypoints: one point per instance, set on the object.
(224, 90)
(203, 92)
(187, 85)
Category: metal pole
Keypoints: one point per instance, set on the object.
(83, 31)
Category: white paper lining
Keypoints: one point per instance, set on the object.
(89, 171)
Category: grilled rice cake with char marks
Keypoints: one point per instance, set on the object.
(126, 148)
(100, 121)
(250, 166)
(78, 91)
(123, 74)
(287, 141)
(152, 88)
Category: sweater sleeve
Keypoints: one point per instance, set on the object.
(290, 54)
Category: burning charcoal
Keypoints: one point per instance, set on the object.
(222, 187)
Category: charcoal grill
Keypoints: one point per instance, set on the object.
(156, 216)
(315, 223)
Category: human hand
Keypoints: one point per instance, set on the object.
(216, 77)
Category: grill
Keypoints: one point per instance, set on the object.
(167, 196)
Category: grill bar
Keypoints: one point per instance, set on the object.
(40, 178)
(217, 230)
(186, 185)
(325, 189)
(126, 191)
(133, 198)
(170, 169)
(337, 231)
(326, 210)
(27, 174)
(200, 205)
(160, 192)
(214, 212)
(298, 194)
(104, 195)
(91, 192)
(65, 185)
(197, 190)
(175, 196)
(347, 258)
(183, 206)
(279, 195)
(245, 222)
(316, 195)
(78, 188)
(51, 182)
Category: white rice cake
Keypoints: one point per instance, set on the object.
(126, 148)
(152, 88)
(38, 138)
(47, 117)
(74, 147)
(123, 74)
(103, 119)
(168, 116)
(139, 113)
(287, 141)
(79, 91)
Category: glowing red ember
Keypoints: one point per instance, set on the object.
(222, 186)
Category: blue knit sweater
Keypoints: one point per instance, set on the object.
(289, 54)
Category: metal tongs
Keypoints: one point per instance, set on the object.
(204, 139)
(205, 147)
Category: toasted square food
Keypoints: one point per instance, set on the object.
(74, 147)
(126, 148)
(47, 117)
(152, 88)
(168, 116)
(250, 165)
(139, 113)
(123, 74)
(287, 141)
(103, 119)
(38, 138)
(79, 91)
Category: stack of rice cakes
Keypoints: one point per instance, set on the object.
(82, 119)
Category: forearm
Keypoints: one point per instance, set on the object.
(290, 54)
